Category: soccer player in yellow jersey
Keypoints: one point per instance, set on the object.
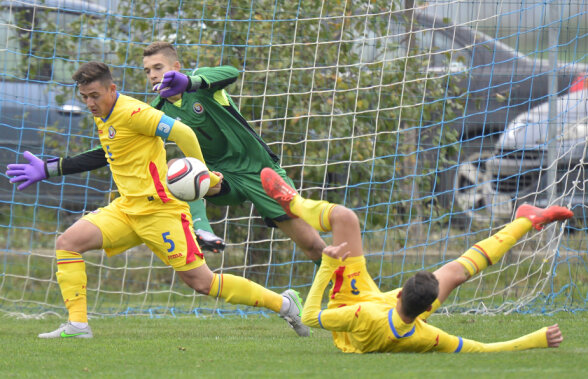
(363, 319)
(131, 133)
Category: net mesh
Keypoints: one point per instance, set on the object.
(432, 121)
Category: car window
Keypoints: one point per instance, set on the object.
(386, 39)
(449, 53)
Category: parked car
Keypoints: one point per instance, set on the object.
(499, 84)
(518, 170)
(31, 117)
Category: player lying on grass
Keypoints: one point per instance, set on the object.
(131, 134)
(363, 319)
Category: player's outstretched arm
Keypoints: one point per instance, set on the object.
(545, 337)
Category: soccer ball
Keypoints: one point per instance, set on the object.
(188, 179)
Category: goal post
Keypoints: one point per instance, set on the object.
(427, 122)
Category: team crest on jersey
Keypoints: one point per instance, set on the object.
(198, 108)
(111, 132)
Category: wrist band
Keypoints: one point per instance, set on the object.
(53, 167)
(194, 83)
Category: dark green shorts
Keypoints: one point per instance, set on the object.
(247, 186)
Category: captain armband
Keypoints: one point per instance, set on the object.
(165, 126)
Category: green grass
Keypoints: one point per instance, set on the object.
(265, 347)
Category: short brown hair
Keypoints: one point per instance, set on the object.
(161, 47)
(92, 71)
(418, 293)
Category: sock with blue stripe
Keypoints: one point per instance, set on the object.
(490, 250)
(72, 279)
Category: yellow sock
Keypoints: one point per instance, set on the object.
(315, 212)
(238, 290)
(490, 250)
(71, 276)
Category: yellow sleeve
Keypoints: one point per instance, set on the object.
(186, 140)
(537, 339)
(312, 305)
(350, 318)
(338, 319)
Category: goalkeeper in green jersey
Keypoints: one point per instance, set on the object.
(363, 319)
(229, 144)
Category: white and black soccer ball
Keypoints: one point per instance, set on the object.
(188, 179)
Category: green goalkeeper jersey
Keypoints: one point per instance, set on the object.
(228, 142)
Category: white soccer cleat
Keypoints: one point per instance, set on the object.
(68, 330)
(209, 241)
(294, 313)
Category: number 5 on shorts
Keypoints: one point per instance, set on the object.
(172, 245)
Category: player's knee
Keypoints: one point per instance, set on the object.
(202, 288)
(66, 242)
(345, 215)
(197, 279)
(198, 286)
(80, 243)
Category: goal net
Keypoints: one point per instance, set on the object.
(432, 120)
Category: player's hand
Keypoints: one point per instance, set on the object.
(174, 83)
(554, 336)
(27, 173)
(217, 187)
(338, 252)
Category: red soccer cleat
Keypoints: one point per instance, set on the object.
(275, 186)
(541, 217)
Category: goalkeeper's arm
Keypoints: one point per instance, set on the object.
(174, 82)
(86, 161)
(213, 77)
(36, 169)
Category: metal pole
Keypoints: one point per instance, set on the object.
(552, 30)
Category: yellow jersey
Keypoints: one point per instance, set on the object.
(369, 322)
(131, 137)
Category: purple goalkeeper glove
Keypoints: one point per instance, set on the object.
(174, 83)
(28, 173)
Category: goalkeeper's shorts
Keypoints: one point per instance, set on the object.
(247, 186)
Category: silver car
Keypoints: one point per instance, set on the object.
(521, 168)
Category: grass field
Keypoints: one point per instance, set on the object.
(263, 347)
